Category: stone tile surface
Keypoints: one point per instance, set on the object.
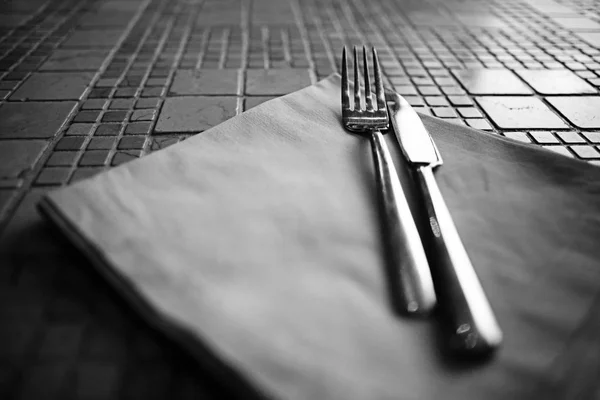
(93, 158)
(510, 112)
(592, 38)
(276, 81)
(53, 176)
(53, 86)
(555, 81)
(593, 137)
(194, 114)
(256, 100)
(75, 60)
(544, 137)
(206, 82)
(491, 81)
(62, 158)
(16, 121)
(132, 143)
(586, 152)
(70, 143)
(577, 23)
(17, 157)
(121, 157)
(571, 137)
(581, 111)
(520, 136)
(479, 123)
(93, 38)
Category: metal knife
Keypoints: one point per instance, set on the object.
(474, 328)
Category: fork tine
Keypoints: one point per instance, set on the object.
(357, 97)
(378, 83)
(345, 86)
(368, 94)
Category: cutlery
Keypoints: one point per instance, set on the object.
(475, 330)
(405, 251)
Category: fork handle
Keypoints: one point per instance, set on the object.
(474, 329)
(407, 260)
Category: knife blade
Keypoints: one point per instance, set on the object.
(474, 329)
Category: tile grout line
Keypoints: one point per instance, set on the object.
(304, 36)
(25, 188)
(185, 38)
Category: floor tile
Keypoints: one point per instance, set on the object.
(520, 113)
(544, 137)
(577, 23)
(101, 143)
(460, 100)
(194, 114)
(479, 123)
(53, 176)
(555, 81)
(571, 137)
(520, 136)
(159, 143)
(212, 81)
(93, 38)
(581, 111)
(122, 157)
(17, 157)
(93, 158)
(62, 159)
(592, 38)
(142, 115)
(70, 143)
(480, 19)
(251, 102)
(121, 104)
(53, 86)
(108, 130)
(593, 137)
(138, 128)
(444, 112)
(84, 173)
(276, 81)
(132, 143)
(586, 151)
(79, 129)
(469, 112)
(93, 104)
(16, 121)
(75, 60)
(147, 103)
(491, 81)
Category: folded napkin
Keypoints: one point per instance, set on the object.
(259, 240)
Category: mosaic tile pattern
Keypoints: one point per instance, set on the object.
(86, 85)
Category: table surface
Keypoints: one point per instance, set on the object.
(90, 84)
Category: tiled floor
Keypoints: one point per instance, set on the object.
(90, 84)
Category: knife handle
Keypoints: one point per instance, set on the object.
(407, 260)
(475, 330)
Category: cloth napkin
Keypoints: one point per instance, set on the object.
(257, 244)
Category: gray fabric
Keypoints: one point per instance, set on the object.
(260, 238)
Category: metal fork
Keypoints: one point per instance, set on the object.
(407, 261)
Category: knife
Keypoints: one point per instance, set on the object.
(474, 328)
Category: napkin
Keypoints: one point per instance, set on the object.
(257, 244)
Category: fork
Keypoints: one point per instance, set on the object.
(406, 255)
